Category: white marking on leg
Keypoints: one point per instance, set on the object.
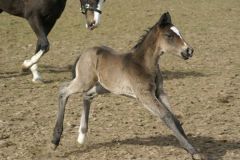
(175, 30)
(92, 91)
(28, 63)
(97, 14)
(81, 137)
(35, 73)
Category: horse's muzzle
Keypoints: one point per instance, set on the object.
(91, 25)
(187, 53)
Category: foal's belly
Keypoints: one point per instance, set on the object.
(116, 84)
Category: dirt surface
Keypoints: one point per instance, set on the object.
(204, 91)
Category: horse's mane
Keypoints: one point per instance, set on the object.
(143, 37)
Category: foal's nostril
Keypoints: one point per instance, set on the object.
(190, 52)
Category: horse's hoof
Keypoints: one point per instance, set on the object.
(24, 69)
(38, 80)
(25, 66)
(199, 156)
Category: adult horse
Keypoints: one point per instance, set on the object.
(42, 15)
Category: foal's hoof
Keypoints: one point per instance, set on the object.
(53, 146)
(81, 138)
(199, 156)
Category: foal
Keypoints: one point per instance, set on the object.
(42, 15)
(101, 69)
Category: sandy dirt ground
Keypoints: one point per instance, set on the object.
(204, 91)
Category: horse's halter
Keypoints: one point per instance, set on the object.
(85, 7)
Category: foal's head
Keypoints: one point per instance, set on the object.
(92, 10)
(170, 38)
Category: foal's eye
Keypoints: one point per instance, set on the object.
(169, 36)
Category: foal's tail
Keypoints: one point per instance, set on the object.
(74, 67)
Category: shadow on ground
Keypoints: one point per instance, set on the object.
(214, 149)
(169, 75)
(42, 69)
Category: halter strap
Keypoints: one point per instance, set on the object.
(87, 6)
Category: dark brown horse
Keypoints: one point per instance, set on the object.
(42, 15)
(136, 74)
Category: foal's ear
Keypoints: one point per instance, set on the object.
(165, 20)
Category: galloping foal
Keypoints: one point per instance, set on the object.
(136, 74)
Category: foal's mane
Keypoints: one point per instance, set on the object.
(143, 37)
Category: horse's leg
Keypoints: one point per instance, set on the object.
(34, 68)
(37, 25)
(41, 29)
(151, 103)
(97, 89)
(160, 94)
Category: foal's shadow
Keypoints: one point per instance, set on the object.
(169, 75)
(214, 149)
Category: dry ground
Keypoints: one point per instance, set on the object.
(204, 91)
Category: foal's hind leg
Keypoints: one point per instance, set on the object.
(90, 94)
(65, 92)
(74, 87)
(84, 120)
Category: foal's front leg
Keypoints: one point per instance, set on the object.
(148, 99)
(160, 94)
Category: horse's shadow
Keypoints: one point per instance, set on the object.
(168, 75)
(42, 69)
(212, 148)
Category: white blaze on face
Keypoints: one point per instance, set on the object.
(175, 30)
(97, 14)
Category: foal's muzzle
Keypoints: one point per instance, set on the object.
(187, 53)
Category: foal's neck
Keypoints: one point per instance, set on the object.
(146, 54)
